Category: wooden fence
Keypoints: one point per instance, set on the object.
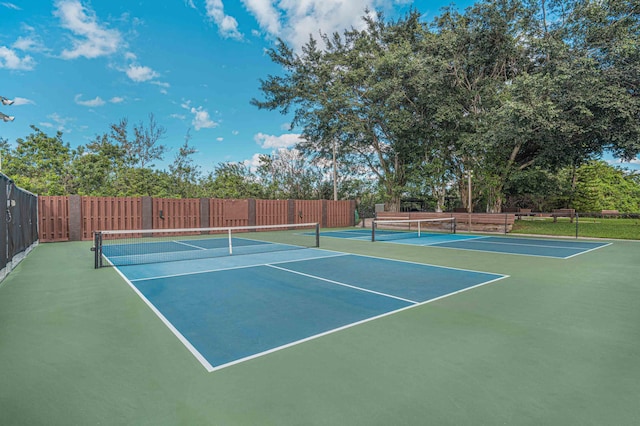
(75, 218)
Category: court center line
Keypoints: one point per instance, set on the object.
(341, 284)
(347, 326)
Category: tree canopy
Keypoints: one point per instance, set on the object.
(522, 95)
(499, 88)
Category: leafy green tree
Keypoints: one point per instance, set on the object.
(232, 180)
(362, 91)
(40, 163)
(184, 172)
(287, 174)
(601, 186)
(97, 168)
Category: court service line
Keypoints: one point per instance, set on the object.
(347, 326)
(189, 245)
(342, 284)
(253, 265)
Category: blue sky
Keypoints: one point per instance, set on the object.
(78, 66)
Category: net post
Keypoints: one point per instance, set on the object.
(373, 230)
(230, 243)
(455, 224)
(577, 225)
(317, 235)
(97, 249)
(418, 229)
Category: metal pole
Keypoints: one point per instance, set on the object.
(469, 209)
(335, 173)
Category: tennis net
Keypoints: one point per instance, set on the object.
(119, 248)
(394, 229)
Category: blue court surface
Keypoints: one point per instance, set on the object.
(561, 249)
(232, 309)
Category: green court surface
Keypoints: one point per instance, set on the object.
(555, 343)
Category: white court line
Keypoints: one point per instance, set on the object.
(425, 264)
(496, 252)
(210, 368)
(526, 245)
(182, 274)
(439, 245)
(188, 245)
(166, 322)
(344, 327)
(587, 251)
(342, 284)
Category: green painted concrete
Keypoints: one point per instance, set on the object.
(557, 343)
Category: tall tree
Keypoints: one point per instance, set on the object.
(359, 90)
(232, 180)
(184, 171)
(40, 163)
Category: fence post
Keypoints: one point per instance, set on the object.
(251, 207)
(204, 213)
(291, 211)
(352, 210)
(75, 218)
(147, 212)
(323, 221)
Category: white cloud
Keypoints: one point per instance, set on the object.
(92, 39)
(97, 101)
(60, 121)
(190, 4)
(22, 101)
(275, 142)
(253, 163)
(140, 74)
(227, 25)
(30, 43)
(10, 6)
(294, 20)
(235, 133)
(201, 119)
(266, 14)
(161, 84)
(9, 59)
(116, 100)
(220, 139)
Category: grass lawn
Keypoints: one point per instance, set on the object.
(595, 227)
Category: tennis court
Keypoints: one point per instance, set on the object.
(405, 232)
(234, 308)
(554, 343)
